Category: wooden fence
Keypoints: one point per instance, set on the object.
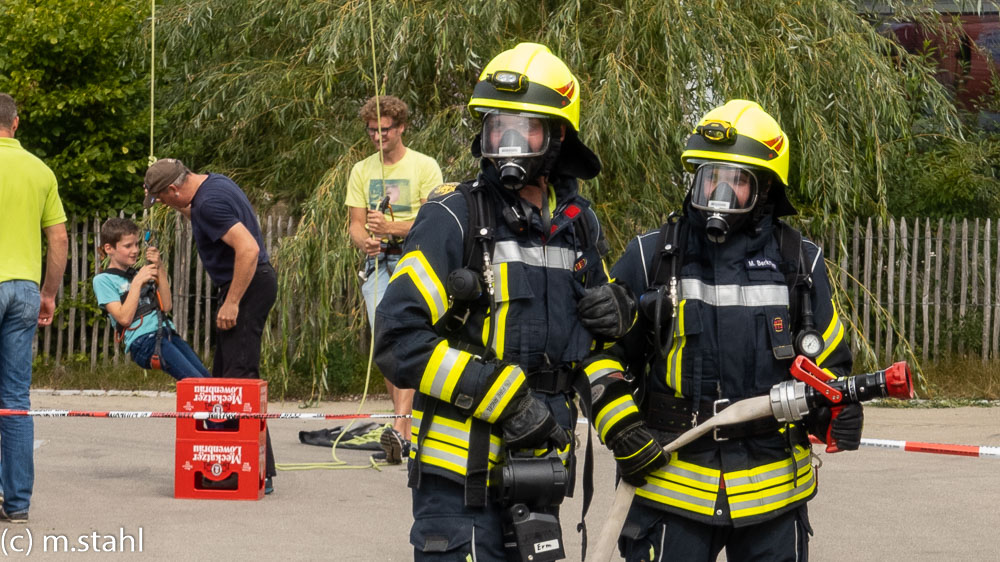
(82, 332)
(934, 283)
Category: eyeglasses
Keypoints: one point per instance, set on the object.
(380, 130)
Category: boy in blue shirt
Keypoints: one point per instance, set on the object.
(137, 301)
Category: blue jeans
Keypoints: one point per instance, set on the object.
(386, 265)
(176, 356)
(19, 305)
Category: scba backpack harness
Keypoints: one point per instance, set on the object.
(659, 306)
(659, 303)
(149, 301)
(470, 284)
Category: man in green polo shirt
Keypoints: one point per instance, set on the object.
(30, 202)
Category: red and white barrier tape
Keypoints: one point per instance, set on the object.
(196, 415)
(982, 452)
(908, 446)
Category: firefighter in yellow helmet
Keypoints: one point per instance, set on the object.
(499, 295)
(728, 296)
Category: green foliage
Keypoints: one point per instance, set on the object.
(269, 91)
(81, 108)
(948, 178)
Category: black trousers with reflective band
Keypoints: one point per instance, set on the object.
(651, 535)
(237, 350)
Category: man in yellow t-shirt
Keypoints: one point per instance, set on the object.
(406, 177)
(30, 201)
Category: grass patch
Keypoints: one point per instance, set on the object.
(346, 379)
(76, 374)
(946, 383)
(964, 379)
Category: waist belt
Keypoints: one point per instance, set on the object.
(665, 412)
(551, 381)
(393, 247)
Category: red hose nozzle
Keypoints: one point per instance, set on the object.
(898, 381)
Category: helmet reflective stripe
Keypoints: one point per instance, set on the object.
(759, 140)
(528, 78)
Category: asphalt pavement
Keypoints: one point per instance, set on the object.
(104, 489)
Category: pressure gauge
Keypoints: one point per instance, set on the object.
(809, 342)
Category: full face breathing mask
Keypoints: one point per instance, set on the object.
(725, 194)
(516, 144)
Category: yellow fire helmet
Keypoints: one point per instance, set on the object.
(528, 79)
(740, 132)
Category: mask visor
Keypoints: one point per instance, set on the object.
(721, 187)
(514, 136)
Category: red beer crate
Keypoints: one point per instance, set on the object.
(246, 396)
(219, 469)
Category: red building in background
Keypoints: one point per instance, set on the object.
(965, 43)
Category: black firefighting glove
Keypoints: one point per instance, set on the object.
(527, 422)
(637, 453)
(607, 311)
(844, 430)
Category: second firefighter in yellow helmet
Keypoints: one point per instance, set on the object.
(739, 157)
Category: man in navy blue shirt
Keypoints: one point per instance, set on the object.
(232, 251)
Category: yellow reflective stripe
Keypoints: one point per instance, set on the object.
(446, 444)
(697, 469)
(422, 275)
(563, 453)
(695, 488)
(614, 411)
(741, 481)
(443, 371)
(635, 453)
(679, 496)
(453, 432)
(444, 455)
(676, 353)
(776, 497)
(683, 485)
(774, 476)
(687, 474)
(502, 288)
(598, 369)
(831, 337)
(509, 381)
(486, 328)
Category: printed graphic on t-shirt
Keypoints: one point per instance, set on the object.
(398, 191)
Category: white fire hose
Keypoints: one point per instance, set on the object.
(788, 401)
